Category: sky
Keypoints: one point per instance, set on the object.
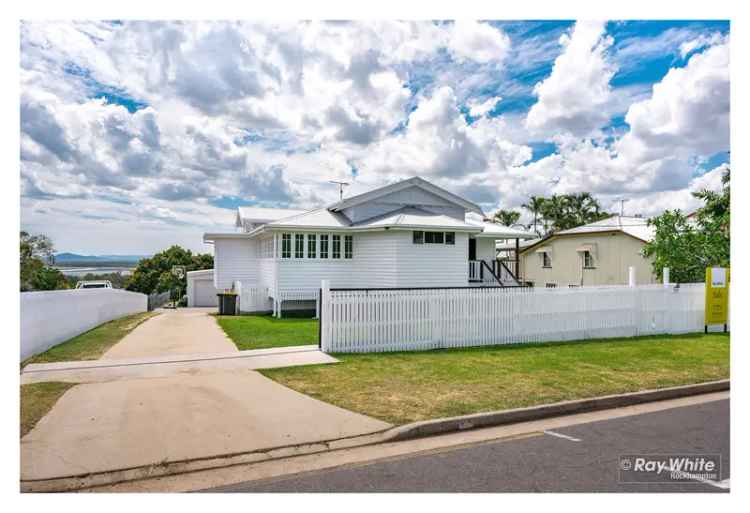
(139, 135)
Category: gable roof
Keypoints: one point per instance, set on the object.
(636, 227)
(398, 186)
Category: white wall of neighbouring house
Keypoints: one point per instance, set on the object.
(235, 260)
(51, 317)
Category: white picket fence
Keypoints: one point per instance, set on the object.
(376, 320)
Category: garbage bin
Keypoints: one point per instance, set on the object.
(227, 303)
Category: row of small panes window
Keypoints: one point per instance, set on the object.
(420, 237)
(318, 245)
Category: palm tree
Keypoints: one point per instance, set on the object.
(506, 217)
(535, 205)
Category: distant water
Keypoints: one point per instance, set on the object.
(83, 271)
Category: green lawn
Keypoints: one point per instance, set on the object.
(407, 387)
(264, 331)
(92, 344)
(37, 399)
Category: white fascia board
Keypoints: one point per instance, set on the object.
(210, 237)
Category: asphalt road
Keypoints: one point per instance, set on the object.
(581, 458)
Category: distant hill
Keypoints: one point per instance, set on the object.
(63, 258)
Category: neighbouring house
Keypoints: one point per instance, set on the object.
(598, 253)
(407, 234)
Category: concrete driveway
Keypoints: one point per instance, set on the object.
(97, 427)
(174, 332)
(175, 389)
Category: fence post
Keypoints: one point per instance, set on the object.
(325, 300)
(631, 276)
(665, 277)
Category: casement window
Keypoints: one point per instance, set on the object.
(546, 260)
(311, 243)
(286, 245)
(336, 243)
(299, 245)
(420, 237)
(588, 260)
(324, 245)
(348, 246)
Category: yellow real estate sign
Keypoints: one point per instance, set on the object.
(717, 295)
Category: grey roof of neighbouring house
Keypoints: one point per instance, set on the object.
(634, 226)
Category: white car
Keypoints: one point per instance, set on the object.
(94, 284)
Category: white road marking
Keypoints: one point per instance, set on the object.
(560, 435)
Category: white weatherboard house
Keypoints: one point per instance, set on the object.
(404, 235)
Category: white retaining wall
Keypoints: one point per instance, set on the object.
(403, 320)
(51, 317)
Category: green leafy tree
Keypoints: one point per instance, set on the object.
(35, 252)
(48, 278)
(155, 274)
(688, 246)
(506, 217)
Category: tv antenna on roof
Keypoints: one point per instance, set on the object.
(341, 187)
(622, 205)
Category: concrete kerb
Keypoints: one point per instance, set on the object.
(407, 431)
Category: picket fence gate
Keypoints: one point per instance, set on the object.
(377, 320)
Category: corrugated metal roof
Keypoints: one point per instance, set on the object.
(635, 226)
(260, 214)
(318, 218)
(415, 217)
(521, 244)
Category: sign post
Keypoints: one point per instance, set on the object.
(717, 297)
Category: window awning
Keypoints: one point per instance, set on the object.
(591, 248)
(545, 249)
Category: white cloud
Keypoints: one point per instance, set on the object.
(687, 114)
(269, 112)
(574, 98)
(700, 42)
(478, 109)
(479, 42)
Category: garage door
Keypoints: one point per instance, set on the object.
(205, 293)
